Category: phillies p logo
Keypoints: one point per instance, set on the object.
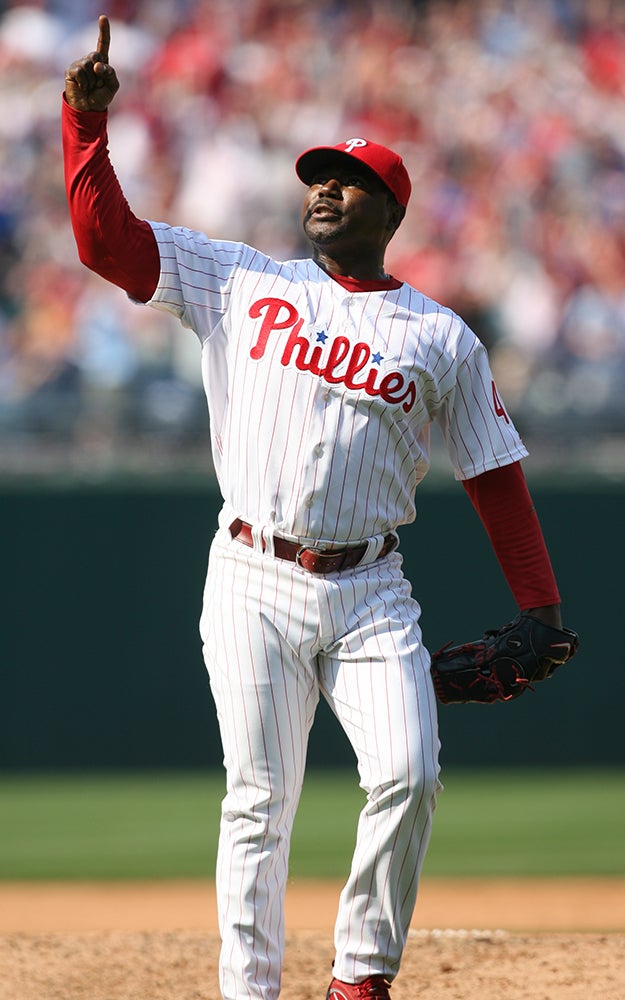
(354, 143)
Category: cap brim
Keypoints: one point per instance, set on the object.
(313, 160)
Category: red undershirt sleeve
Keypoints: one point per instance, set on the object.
(502, 500)
(110, 239)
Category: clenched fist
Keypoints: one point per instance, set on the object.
(90, 83)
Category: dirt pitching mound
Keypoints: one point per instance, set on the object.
(470, 940)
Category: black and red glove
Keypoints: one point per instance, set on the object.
(503, 664)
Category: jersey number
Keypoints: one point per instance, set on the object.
(499, 407)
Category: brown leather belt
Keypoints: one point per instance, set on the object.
(309, 558)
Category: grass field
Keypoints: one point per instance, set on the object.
(164, 825)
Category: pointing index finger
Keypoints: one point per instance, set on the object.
(104, 38)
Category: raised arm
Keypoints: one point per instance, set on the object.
(110, 239)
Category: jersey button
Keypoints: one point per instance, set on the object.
(318, 450)
(309, 501)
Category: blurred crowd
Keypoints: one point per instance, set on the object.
(510, 115)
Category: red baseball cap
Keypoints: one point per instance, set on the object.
(388, 165)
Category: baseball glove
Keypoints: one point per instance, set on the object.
(503, 664)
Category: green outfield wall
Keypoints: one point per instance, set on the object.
(101, 664)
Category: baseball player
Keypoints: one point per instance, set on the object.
(323, 377)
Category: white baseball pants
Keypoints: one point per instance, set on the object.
(274, 638)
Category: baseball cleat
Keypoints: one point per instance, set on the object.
(372, 988)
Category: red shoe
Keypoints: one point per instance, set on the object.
(372, 988)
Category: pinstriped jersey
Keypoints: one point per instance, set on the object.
(321, 397)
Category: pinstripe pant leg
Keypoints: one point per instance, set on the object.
(265, 695)
(376, 679)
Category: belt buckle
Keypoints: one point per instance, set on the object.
(306, 548)
(320, 561)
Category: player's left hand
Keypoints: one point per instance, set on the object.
(504, 663)
(90, 83)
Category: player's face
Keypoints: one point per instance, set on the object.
(347, 206)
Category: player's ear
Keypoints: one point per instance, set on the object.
(395, 215)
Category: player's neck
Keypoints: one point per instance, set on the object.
(358, 268)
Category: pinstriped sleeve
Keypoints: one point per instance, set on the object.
(197, 276)
(477, 428)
